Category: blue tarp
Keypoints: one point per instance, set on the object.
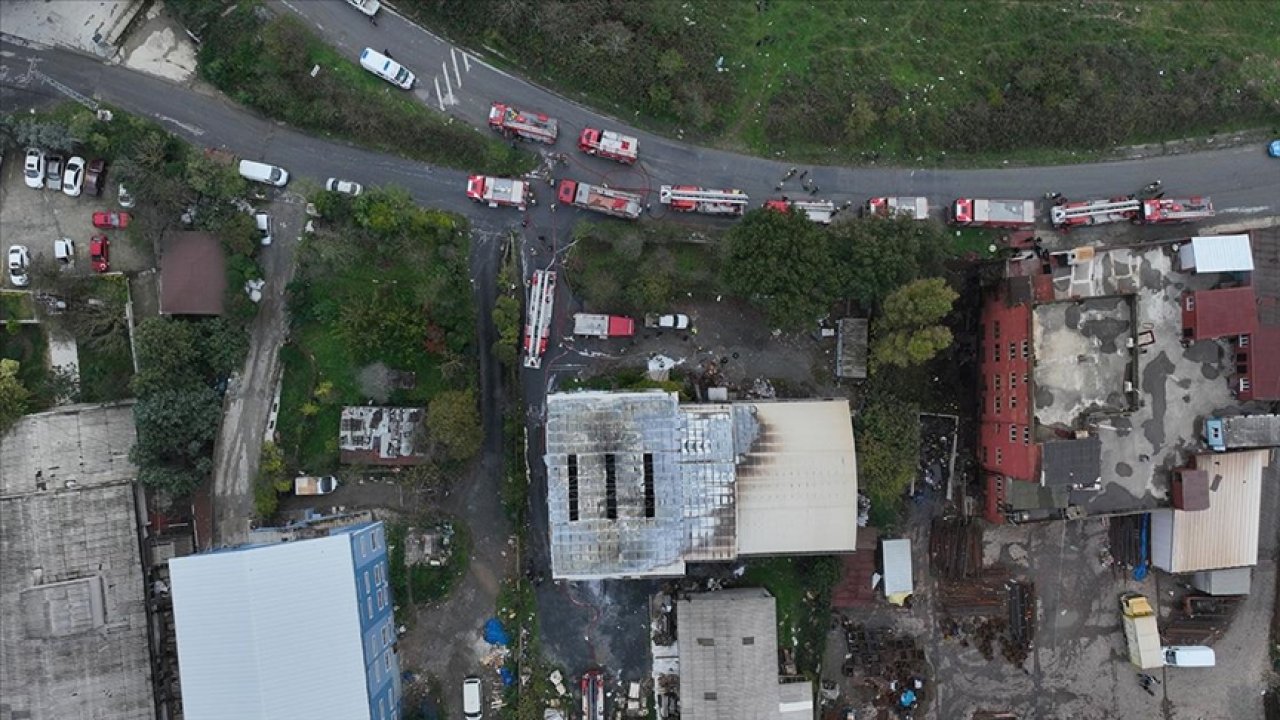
(508, 678)
(1142, 568)
(494, 634)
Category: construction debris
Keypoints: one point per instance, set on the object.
(955, 548)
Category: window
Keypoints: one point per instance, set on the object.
(367, 587)
(708, 696)
(1013, 380)
(377, 540)
(382, 598)
(1026, 434)
(1190, 303)
(365, 545)
(368, 605)
(1026, 378)
(999, 458)
(997, 404)
(379, 574)
(995, 352)
(573, 488)
(997, 329)
(382, 708)
(707, 642)
(386, 661)
(1013, 400)
(377, 674)
(749, 640)
(610, 486)
(1013, 433)
(995, 380)
(1025, 350)
(386, 634)
(1013, 350)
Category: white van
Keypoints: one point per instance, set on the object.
(471, 698)
(263, 173)
(387, 69)
(1189, 656)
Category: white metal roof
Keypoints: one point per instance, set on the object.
(270, 632)
(798, 483)
(1225, 535)
(897, 567)
(1218, 253)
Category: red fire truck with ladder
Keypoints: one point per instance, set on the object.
(819, 211)
(916, 208)
(593, 695)
(981, 212)
(537, 328)
(609, 144)
(601, 199)
(512, 123)
(496, 192)
(1156, 211)
(688, 198)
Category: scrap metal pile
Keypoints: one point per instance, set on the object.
(1200, 620)
(886, 662)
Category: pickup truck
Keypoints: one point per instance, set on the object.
(675, 321)
(314, 485)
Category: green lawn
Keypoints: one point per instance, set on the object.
(106, 361)
(16, 306)
(802, 588)
(940, 83)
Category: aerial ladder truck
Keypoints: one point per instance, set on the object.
(1152, 211)
(689, 198)
(537, 328)
(512, 123)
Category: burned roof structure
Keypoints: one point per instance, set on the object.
(638, 485)
(380, 435)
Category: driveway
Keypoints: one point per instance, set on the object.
(251, 394)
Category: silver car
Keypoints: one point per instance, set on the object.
(19, 259)
(346, 187)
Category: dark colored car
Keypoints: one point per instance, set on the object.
(95, 177)
(53, 172)
(100, 253)
(109, 220)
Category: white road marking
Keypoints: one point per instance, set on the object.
(1246, 210)
(439, 97)
(453, 54)
(466, 62)
(447, 86)
(194, 130)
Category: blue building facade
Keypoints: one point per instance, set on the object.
(370, 562)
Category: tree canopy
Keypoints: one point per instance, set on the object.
(872, 257)
(779, 260)
(454, 420)
(909, 330)
(13, 396)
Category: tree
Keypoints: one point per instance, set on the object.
(908, 333)
(888, 435)
(506, 319)
(13, 396)
(222, 344)
(453, 420)
(49, 135)
(874, 256)
(176, 428)
(168, 355)
(173, 479)
(779, 260)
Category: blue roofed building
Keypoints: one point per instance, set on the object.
(301, 629)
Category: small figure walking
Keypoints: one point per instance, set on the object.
(387, 53)
(373, 20)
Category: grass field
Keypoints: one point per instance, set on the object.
(951, 83)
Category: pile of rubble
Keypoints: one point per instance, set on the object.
(1200, 619)
(888, 664)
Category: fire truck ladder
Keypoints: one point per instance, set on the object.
(542, 296)
(667, 194)
(1062, 213)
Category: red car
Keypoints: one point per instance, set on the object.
(109, 220)
(100, 253)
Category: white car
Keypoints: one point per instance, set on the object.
(73, 176)
(124, 197)
(33, 170)
(676, 321)
(265, 226)
(368, 7)
(346, 187)
(19, 259)
(64, 251)
(471, 698)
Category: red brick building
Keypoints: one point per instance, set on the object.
(1007, 451)
(1257, 375)
(1217, 313)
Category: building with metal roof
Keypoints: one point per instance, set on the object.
(381, 435)
(1257, 375)
(299, 629)
(1216, 313)
(1216, 253)
(193, 274)
(638, 485)
(1226, 534)
(74, 642)
(729, 660)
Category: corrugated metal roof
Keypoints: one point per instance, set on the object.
(728, 656)
(1225, 535)
(798, 484)
(1222, 312)
(270, 632)
(897, 567)
(1217, 253)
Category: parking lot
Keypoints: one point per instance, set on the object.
(38, 218)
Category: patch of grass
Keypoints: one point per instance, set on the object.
(915, 81)
(801, 587)
(27, 344)
(16, 306)
(266, 62)
(422, 584)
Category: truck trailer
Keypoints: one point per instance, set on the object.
(603, 326)
(1140, 631)
(600, 199)
(1242, 431)
(690, 198)
(983, 212)
(916, 208)
(609, 144)
(512, 123)
(499, 192)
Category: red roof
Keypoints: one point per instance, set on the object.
(1219, 313)
(193, 275)
(1264, 370)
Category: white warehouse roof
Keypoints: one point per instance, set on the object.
(1226, 534)
(270, 632)
(1217, 253)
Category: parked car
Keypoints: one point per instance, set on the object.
(53, 172)
(346, 187)
(19, 259)
(265, 226)
(124, 197)
(100, 253)
(64, 251)
(1274, 149)
(95, 176)
(33, 169)
(107, 220)
(314, 484)
(471, 703)
(73, 176)
(676, 321)
(368, 7)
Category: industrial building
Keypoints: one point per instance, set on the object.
(73, 602)
(1216, 515)
(381, 435)
(316, 613)
(638, 484)
(729, 660)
